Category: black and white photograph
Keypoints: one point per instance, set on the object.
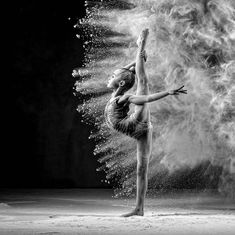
(118, 117)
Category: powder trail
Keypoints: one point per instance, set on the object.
(190, 43)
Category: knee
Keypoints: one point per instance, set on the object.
(142, 169)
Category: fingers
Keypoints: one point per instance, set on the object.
(143, 55)
(180, 88)
(183, 92)
(178, 92)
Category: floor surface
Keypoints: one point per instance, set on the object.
(95, 211)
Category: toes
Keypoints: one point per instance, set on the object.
(145, 31)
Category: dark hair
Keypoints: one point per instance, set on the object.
(129, 77)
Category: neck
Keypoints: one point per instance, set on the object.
(118, 92)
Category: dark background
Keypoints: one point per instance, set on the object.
(45, 144)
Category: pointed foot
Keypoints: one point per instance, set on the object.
(142, 38)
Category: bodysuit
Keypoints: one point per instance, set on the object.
(117, 118)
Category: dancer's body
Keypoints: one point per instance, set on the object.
(137, 125)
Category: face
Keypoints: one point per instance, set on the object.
(114, 79)
(111, 81)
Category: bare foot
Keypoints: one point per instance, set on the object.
(134, 212)
(142, 38)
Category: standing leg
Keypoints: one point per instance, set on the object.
(144, 143)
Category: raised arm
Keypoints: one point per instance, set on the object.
(142, 99)
(130, 66)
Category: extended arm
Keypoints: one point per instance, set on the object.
(142, 99)
(129, 66)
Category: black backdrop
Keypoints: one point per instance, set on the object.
(44, 142)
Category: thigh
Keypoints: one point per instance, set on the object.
(144, 148)
(142, 113)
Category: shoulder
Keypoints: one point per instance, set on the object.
(124, 98)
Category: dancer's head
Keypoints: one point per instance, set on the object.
(123, 79)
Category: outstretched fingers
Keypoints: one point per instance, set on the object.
(179, 90)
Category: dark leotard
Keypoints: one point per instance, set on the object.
(117, 118)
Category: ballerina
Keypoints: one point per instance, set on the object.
(137, 125)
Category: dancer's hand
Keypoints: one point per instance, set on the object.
(143, 55)
(177, 91)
